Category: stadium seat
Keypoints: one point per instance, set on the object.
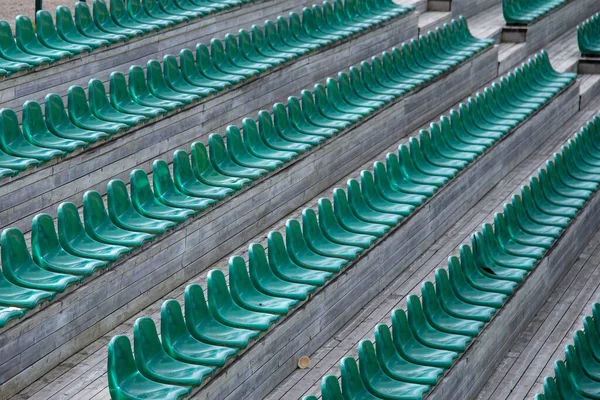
(520, 12)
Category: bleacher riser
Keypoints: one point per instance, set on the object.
(487, 351)
(20, 87)
(257, 372)
(42, 189)
(549, 27)
(469, 8)
(87, 312)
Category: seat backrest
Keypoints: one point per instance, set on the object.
(121, 364)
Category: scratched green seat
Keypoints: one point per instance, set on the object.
(68, 31)
(301, 254)
(588, 36)
(105, 23)
(154, 363)
(81, 115)
(320, 244)
(206, 173)
(191, 73)
(87, 26)
(75, 240)
(147, 203)
(12, 295)
(10, 313)
(181, 345)
(11, 52)
(187, 183)
(158, 86)
(103, 109)
(247, 295)
(153, 9)
(100, 228)
(175, 80)
(124, 215)
(264, 277)
(19, 268)
(223, 163)
(138, 13)
(122, 100)
(28, 41)
(36, 132)
(13, 142)
(49, 37)
(121, 17)
(141, 93)
(48, 253)
(205, 327)
(125, 381)
(380, 383)
(228, 312)
(396, 366)
(240, 155)
(284, 268)
(168, 193)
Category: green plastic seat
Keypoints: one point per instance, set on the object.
(302, 124)
(181, 345)
(11, 52)
(319, 243)
(379, 383)
(245, 294)
(81, 115)
(301, 254)
(334, 232)
(352, 222)
(19, 268)
(223, 63)
(49, 37)
(413, 350)
(482, 273)
(257, 146)
(68, 31)
(240, 155)
(12, 295)
(122, 100)
(13, 142)
(222, 162)
(166, 191)
(7, 172)
(400, 179)
(121, 17)
(75, 240)
(27, 40)
(140, 92)
(102, 109)
(158, 86)
(225, 310)
(147, 203)
(288, 131)
(176, 81)
(138, 13)
(192, 75)
(36, 132)
(286, 269)
(395, 366)
(153, 9)
(251, 53)
(10, 313)
(186, 182)
(100, 228)
(376, 201)
(170, 7)
(105, 23)
(206, 173)
(208, 68)
(49, 254)
(358, 205)
(124, 215)
(125, 381)
(85, 25)
(352, 383)
(206, 328)
(237, 58)
(443, 321)
(455, 306)
(267, 48)
(272, 138)
(265, 279)
(154, 363)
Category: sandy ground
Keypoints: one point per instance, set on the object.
(9, 9)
